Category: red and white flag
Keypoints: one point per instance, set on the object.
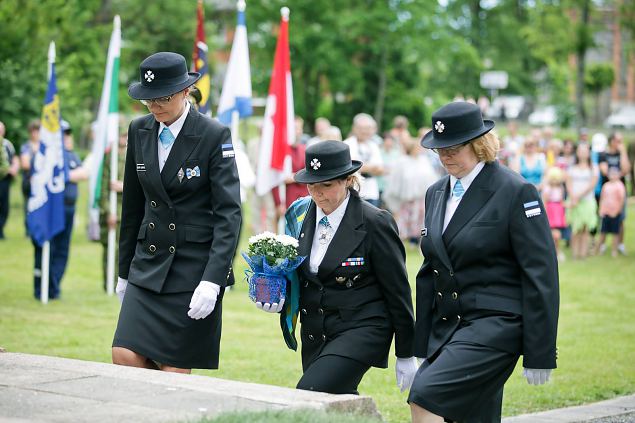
(274, 163)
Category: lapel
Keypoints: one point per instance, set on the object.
(474, 199)
(148, 140)
(346, 239)
(182, 148)
(306, 239)
(435, 227)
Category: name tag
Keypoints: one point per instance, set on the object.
(141, 167)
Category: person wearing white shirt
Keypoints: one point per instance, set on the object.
(487, 291)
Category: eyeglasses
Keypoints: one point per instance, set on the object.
(450, 151)
(161, 101)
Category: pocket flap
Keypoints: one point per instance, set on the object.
(142, 232)
(198, 233)
(363, 312)
(498, 303)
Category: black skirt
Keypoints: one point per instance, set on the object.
(157, 327)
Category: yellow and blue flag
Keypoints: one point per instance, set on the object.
(49, 172)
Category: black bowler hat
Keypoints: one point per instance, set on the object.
(454, 124)
(325, 161)
(162, 74)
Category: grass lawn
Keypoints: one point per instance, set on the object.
(596, 336)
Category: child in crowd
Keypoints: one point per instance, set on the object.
(612, 200)
(553, 198)
(582, 208)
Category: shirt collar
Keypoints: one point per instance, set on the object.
(176, 127)
(467, 180)
(336, 216)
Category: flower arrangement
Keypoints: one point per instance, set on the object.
(270, 257)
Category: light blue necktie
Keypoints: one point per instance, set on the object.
(458, 189)
(166, 138)
(325, 222)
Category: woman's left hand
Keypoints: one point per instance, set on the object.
(405, 370)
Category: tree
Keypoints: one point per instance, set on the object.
(599, 76)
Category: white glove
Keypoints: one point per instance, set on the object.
(122, 284)
(271, 308)
(405, 370)
(203, 300)
(420, 360)
(537, 376)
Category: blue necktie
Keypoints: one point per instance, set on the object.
(458, 189)
(166, 138)
(325, 222)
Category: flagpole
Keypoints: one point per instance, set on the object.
(46, 250)
(113, 133)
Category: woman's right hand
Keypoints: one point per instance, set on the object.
(271, 307)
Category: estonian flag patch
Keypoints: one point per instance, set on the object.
(532, 209)
(228, 151)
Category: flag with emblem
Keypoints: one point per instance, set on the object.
(277, 128)
(236, 93)
(199, 61)
(45, 206)
(105, 129)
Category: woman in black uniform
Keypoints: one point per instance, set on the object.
(354, 293)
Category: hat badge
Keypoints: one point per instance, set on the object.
(149, 76)
(315, 164)
(439, 126)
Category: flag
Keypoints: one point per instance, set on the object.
(236, 93)
(45, 207)
(106, 129)
(199, 61)
(277, 129)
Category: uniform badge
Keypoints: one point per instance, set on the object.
(353, 261)
(424, 232)
(532, 209)
(228, 151)
(193, 173)
(180, 175)
(141, 167)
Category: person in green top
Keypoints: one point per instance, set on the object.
(106, 220)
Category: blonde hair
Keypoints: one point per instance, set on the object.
(486, 147)
(352, 182)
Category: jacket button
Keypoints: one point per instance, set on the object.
(458, 317)
(304, 311)
(440, 294)
(451, 273)
(306, 284)
(172, 249)
(153, 203)
(152, 248)
(311, 337)
(436, 272)
(455, 295)
(151, 225)
(321, 288)
(320, 311)
(340, 279)
(323, 337)
(444, 318)
(172, 226)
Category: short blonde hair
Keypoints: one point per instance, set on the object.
(352, 181)
(486, 147)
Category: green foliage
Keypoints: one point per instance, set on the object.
(275, 248)
(599, 76)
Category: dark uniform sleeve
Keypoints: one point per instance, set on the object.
(425, 300)
(226, 212)
(535, 253)
(389, 256)
(132, 209)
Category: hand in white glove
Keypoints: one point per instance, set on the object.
(120, 289)
(537, 376)
(203, 300)
(420, 360)
(271, 308)
(405, 370)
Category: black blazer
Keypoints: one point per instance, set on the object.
(492, 277)
(353, 311)
(178, 230)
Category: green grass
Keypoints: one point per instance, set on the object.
(596, 335)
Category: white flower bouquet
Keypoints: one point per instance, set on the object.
(270, 257)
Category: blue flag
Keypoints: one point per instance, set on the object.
(45, 207)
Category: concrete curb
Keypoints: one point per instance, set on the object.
(621, 408)
(37, 388)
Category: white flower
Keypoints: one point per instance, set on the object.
(439, 126)
(149, 76)
(287, 240)
(315, 164)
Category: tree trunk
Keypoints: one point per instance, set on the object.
(381, 87)
(583, 42)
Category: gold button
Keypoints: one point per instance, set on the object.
(306, 284)
(440, 294)
(153, 203)
(151, 225)
(321, 288)
(455, 295)
(444, 318)
(304, 311)
(340, 279)
(323, 337)
(458, 317)
(152, 248)
(172, 226)
(451, 273)
(172, 249)
(436, 272)
(320, 311)
(311, 337)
